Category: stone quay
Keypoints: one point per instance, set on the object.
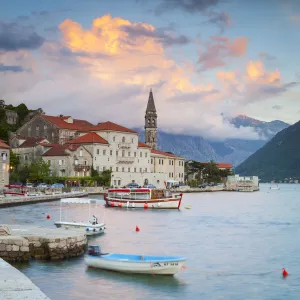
(20, 243)
(21, 200)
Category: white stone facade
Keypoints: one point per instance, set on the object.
(4, 165)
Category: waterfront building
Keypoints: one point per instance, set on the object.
(73, 147)
(4, 164)
(236, 182)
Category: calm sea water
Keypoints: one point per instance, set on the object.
(235, 244)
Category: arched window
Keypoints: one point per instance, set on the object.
(123, 139)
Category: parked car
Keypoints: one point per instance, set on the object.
(42, 185)
(57, 185)
(203, 185)
(29, 185)
(150, 186)
(132, 185)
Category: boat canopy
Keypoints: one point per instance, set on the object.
(76, 200)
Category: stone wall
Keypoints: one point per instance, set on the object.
(14, 248)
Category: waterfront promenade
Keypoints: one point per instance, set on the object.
(15, 285)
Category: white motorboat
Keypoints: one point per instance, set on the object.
(129, 263)
(91, 227)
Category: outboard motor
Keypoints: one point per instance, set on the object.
(94, 250)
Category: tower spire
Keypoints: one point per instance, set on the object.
(151, 123)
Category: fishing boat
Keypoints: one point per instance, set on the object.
(91, 227)
(129, 263)
(142, 198)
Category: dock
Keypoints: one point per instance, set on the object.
(15, 285)
(22, 200)
(22, 242)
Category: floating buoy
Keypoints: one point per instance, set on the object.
(187, 207)
(284, 272)
(120, 204)
(145, 205)
(48, 217)
(112, 203)
(137, 228)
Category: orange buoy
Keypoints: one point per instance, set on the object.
(145, 205)
(137, 228)
(112, 203)
(120, 204)
(48, 217)
(284, 272)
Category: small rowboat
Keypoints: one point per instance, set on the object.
(129, 263)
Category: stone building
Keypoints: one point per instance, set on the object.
(11, 116)
(73, 147)
(4, 164)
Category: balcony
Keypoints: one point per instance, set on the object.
(80, 168)
(125, 160)
(124, 145)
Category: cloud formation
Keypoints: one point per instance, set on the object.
(16, 37)
(215, 52)
(102, 73)
(220, 19)
(7, 68)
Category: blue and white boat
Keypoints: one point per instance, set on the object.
(129, 263)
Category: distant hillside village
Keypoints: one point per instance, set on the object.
(73, 148)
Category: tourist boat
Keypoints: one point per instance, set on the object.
(91, 227)
(15, 190)
(142, 198)
(129, 263)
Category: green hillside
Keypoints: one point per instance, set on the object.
(278, 159)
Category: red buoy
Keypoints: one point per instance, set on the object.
(145, 205)
(120, 204)
(112, 203)
(284, 272)
(48, 216)
(137, 228)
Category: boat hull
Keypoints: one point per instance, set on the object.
(170, 267)
(88, 228)
(168, 203)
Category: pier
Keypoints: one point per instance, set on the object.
(15, 285)
(21, 242)
(22, 200)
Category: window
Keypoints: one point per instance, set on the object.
(123, 153)
(151, 160)
(172, 174)
(59, 162)
(134, 169)
(134, 154)
(80, 153)
(162, 161)
(98, 151)
(132, 141)
(141, 170)
(104, 152)
(76, 162)
(63, 162)
(114, 139)
(128, 154)
(141, 154)
(172, 162)
(119, 182)
(110, 152)
(146, 154)
(110, 168)
(169, 162)
(95, 158)
(128, 169)
(145, 169)
(122, 169)
(117, 169)
(117, 153)
(115, 182)
(123, 139)
(85, 162)
(169, 174)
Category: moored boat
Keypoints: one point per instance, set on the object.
(15, 190)
(142, 198)
(129, 263)
(91, 227)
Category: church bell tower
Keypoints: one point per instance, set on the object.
(151, 123)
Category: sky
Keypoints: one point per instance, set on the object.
(205, 60)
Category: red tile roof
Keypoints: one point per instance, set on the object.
(3, 145)
(47, 144)
(56, 150)
(61, 123)
(31, 142)
(224, 165)
(165, 153)
(72, 147)
(143, 145)
(110, 126)
(88, 138)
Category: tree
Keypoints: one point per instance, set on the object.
(14, 160)
(211, 172)
(94, 173)
(22, 112)
(39, 170)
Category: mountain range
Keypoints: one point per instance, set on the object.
(278, 159)
(233, 151)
